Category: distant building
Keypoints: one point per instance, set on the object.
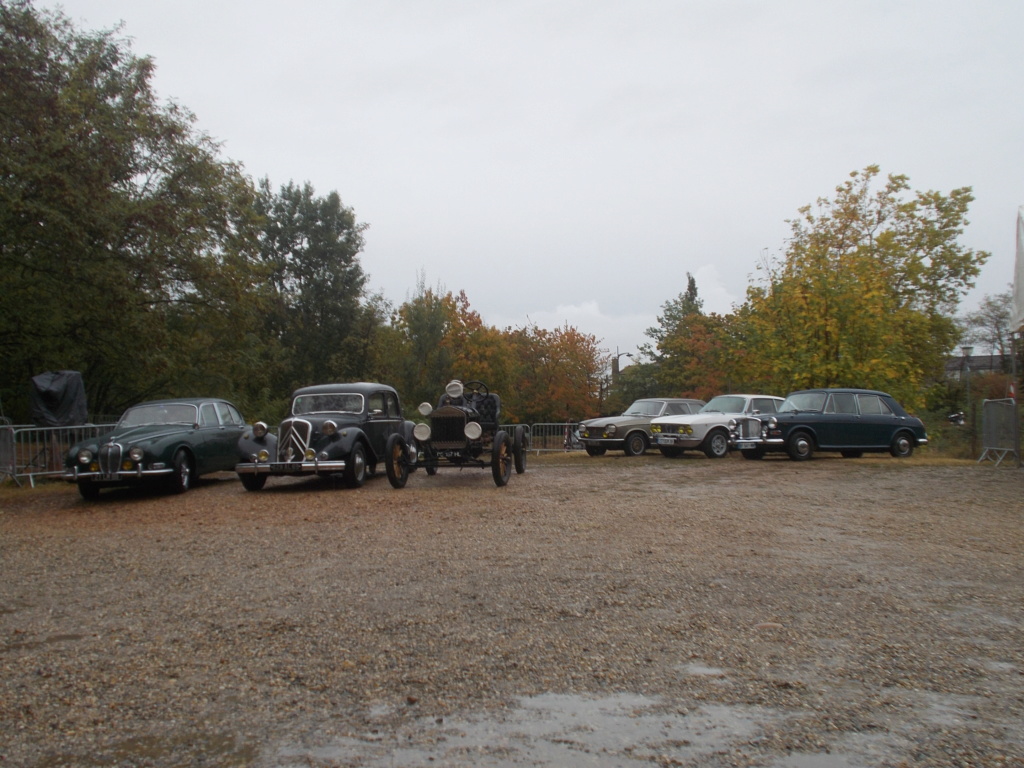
(956, 367)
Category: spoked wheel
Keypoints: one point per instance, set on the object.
(396, 461)
(355, 467)
(520, 447)
(501, 458)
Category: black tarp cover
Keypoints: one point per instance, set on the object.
(58, 399)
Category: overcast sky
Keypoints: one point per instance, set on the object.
(569, 161)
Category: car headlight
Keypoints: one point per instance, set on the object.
(610, 430)
(310, 454)
(733, 424)
(773, 423)
(425, 409)
(259, 430)
(656, 428)
(329, 428)
(263, 455)
(421, 432)
(454, 389)
(84, 456)
(473, 430)
(135, 453)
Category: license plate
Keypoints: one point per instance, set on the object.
(666, 440)
(293, 466)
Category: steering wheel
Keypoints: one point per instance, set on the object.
(476, 388)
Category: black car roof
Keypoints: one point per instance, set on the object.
(358, 388)
(183, 401)
(845, 390)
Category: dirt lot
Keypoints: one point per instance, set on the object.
(596, 612)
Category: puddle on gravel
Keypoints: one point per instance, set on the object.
(549, 730)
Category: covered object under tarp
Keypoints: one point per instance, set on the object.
(58, 399)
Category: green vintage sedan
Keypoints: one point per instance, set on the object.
(166, 442)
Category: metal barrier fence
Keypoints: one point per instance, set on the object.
(555, 437)
(31, 452)
(1000, 430)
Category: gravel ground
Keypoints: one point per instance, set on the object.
(595, 612)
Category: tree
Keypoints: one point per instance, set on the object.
(865, 293)
(989, 325)
(124, 239)
(309, 247)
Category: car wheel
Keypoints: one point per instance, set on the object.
(253, 481)
(501, 459)
(716, 444)
(355, 467)
(89, 491)
(671, 453)
(520, 447)
(636, 443)
(396, 461)
(593, 450)
(800, 446)
(851, 454)
(752, 453)
(902, 446)
(181, 479)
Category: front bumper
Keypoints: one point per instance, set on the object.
(672, 440)
(77, 475)
(290, 467)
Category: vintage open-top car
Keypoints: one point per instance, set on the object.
(462, 431)
(850, 421)
(333, 429)
(162, 441)
(708, 429)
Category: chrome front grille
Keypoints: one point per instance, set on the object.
(748, 428)
(293, 439)
(110, 458)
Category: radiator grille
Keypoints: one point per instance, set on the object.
(110, 458)
(293, 439)
(447, 428)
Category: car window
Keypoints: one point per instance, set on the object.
(804, 401)
(339, 402)
(394, 411)
(675, 409)
(375, 402)
(873, 404)
(724, 404)
(229, 414)
(173, 413)
(764, 404)
(842, 402)
(208, 415)
(646, 408)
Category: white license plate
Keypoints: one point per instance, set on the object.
(666, 440)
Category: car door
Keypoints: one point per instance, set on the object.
(840, 422)
(232, 425)
(383, 419)
(878, 421)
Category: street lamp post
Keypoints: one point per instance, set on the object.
(615, 364)
(967, 351)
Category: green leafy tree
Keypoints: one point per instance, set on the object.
(125, 240)
(865, 293)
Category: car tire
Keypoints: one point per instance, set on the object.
(253, 481)
(716, 444)
(355, 466)
(671, 453)
(594, 450)
(800, 446)
(89, 491)
(753, 454)
(520, 447)
(181, 478)
(902, 445)
(635, 444)
(851, 454)
(396, 461)
(501, 459)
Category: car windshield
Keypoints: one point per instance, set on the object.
(643, 408)
(168, 413)
(724, 404)
(333, 402)
(803, 401)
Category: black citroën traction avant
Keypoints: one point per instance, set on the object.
(463, 431)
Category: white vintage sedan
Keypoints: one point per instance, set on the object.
(708, 429)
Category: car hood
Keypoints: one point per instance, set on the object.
(134, 435)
